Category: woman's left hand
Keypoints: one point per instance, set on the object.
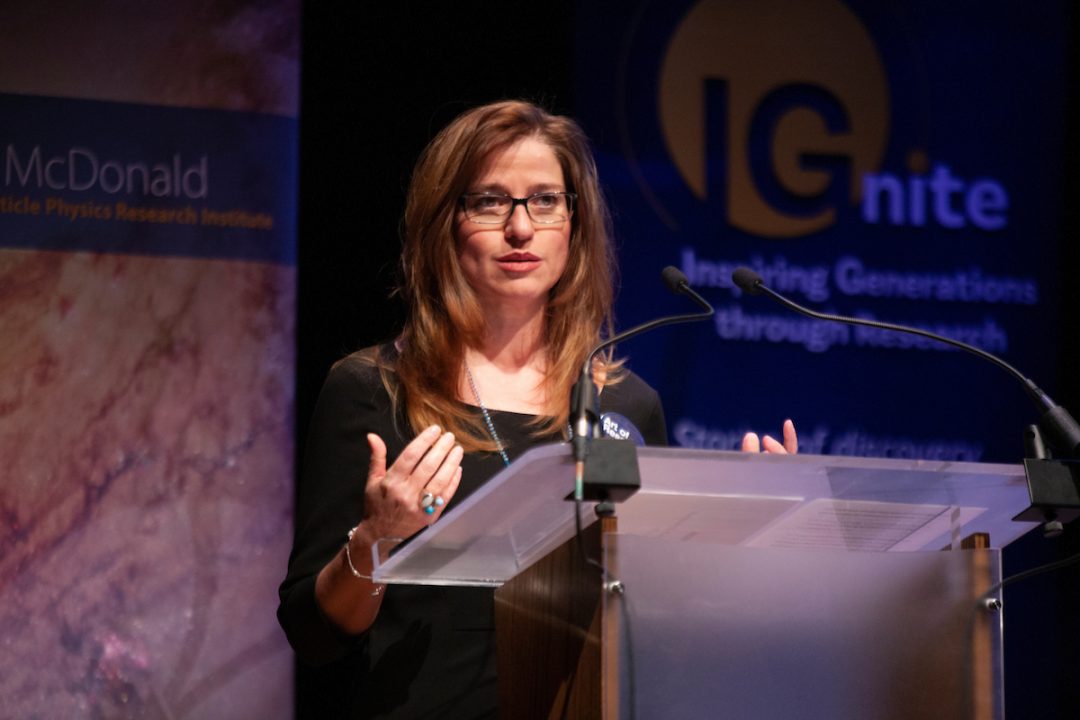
(750, 442)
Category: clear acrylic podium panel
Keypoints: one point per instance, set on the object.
(745, 632)
(715, 498)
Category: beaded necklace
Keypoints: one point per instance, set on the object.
(487, 416)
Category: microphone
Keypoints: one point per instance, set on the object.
(584, 406)
(1058, 428)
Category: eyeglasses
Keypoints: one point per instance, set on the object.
(545, 208)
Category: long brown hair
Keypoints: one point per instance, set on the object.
(444, 314)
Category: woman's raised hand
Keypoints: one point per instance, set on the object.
(413, 492)
(395, 506)
(750, 442)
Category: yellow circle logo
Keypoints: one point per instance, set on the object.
(800, 81)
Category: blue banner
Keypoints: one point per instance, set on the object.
(145, 179)
(899, 161)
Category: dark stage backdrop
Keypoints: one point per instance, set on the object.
(894, 160)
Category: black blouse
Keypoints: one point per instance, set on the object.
(431, 650)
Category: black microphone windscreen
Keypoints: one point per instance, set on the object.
(674, 279)
(747, 280)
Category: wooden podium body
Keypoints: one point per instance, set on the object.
(751, 586)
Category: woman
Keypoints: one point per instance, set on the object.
(508, 270)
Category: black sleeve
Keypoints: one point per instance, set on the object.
(635, 399)
(330, 500)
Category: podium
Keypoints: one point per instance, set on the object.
(738, 586)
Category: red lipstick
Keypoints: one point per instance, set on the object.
(516, 257)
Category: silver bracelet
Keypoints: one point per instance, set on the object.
(348, 557)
